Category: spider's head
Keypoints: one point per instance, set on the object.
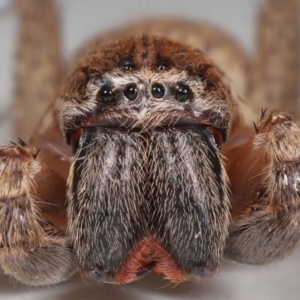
(146, 83)
(146, 118)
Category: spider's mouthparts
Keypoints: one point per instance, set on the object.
(145, 198)
(146, 125)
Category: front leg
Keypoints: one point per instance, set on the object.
(33, 249)
(265, 182)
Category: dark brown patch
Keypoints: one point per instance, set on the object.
(126, 62)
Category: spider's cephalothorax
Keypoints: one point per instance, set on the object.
(146, 118)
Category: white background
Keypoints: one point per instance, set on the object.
(83, 19)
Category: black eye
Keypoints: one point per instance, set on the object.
(131, 91)
(182, 93)
(158, 90)
(106, 94)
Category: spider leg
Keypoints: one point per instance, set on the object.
(275, 69)
(33, 249)
(38, 68)
(265, 184)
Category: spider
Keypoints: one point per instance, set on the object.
(145, 132)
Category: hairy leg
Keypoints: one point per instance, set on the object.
(38, 72)
(265, 186)
(263, 163)
(275, 72)
(34, 248)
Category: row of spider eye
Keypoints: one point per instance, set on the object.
(107, 94)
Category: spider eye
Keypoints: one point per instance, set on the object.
(106, 94)
(182, 93)
(158, 90)
(131, 91)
